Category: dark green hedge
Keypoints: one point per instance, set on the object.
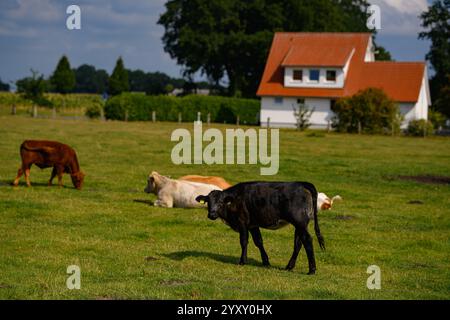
(222, 109)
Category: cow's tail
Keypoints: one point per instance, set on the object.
(319, 236)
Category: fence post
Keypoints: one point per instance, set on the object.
(268, 122)
(153, 116)
(329, 126)
(35, 111)
(102, 114)
(180, 119)
(199, 116)
(54, 112)
(208, 119)
(359, 127)
(126, 115)
(237, 120)
(13, 110)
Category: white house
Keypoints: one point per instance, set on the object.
(318, 68)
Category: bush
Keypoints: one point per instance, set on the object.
(437, 119)
(94, 111)
(420, 127)
(221, 109)
(71, 101)
(368, 111)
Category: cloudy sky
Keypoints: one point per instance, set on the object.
(33, 34)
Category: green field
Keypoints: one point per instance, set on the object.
(127, 249)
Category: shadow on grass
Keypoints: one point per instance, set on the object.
(9, 183)
(180, 255)
(148, 202)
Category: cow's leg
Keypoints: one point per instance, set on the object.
(297, 247)
(59, 173)
(308, 243)
(19, 174)
(26, 169)
(243, 237)
(257, 239)
(50, 182)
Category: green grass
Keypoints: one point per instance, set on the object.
(128, 249)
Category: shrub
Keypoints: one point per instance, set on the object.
(420, 127)
(302, 116)
(94, 111)
(437, 119)
(368, 111)
(221, 109)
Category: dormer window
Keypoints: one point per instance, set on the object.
(331, 75)
(314, 75)
(297, 75)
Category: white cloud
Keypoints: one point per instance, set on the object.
(400, 17)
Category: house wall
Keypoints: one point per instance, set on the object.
(282, 114)
(370, 55)
(419, 110)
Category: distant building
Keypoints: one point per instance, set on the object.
(318, 68)
(200, 92)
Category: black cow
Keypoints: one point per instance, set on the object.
(248, 206)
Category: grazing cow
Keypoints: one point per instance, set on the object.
(248, 206)
(217, 181)
(46, 154)
(324, 202)
(176, 193)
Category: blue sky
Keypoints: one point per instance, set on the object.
(33, 34)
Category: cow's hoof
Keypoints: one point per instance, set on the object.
(266, 264)
(242, 263)
(311, 272)
(289, 268)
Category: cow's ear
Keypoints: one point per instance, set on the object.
(202, 199)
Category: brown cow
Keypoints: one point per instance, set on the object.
(46, 154)
(217, 181)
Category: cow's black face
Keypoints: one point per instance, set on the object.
(217, 203)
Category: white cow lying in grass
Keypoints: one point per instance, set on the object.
(324, 202)
(177, 193)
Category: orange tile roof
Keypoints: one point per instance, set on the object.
(400, 80)
(317, 56)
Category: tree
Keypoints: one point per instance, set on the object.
(229, 40)
(90, 80)
(63, 78)
(33, 88)
(4, 86)
(381, 54)
(118, 82)
(436, 21)
(302, 115)
(368, 111)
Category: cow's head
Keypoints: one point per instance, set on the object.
(154, 179)
(78, 179)
(218, 203)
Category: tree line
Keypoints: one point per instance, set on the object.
(87, 79)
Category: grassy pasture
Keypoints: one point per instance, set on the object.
(128, 249)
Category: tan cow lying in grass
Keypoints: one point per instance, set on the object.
(177, 193)
(217, 181)
(324, 202)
